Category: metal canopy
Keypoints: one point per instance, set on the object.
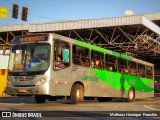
(136, 35)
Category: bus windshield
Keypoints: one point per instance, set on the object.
(29, 57)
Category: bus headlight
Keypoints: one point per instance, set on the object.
(41, 81)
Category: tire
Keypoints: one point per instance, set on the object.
(104, 99)
(40, 98)
(131, 95)
(77, 93)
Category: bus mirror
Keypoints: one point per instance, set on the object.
(65, 54)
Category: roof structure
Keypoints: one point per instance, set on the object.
(135, 35)
(89, 23)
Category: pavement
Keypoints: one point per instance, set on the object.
(8, 96)
(5, 96)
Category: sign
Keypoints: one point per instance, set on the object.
(22, 90)
(29, 38)
(38, 114)
(85, 76)
(3, 12)
(18, 67)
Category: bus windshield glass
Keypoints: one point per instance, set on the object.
(29, 57)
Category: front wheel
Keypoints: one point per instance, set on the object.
(131, 95)
(40, 98)
(77, 93)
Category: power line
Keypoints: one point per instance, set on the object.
(44, 17)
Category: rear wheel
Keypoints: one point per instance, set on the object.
(40, 98)
(77, 93)
(131, 95)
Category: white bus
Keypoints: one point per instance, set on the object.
(85, 70)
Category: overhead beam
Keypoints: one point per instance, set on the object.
(149, 24)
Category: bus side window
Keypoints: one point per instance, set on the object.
(80, 56)
(132, 66)
(122, 66)
(149, 72)
(111, 63)
(97, 59)
(86, 59)
(76, 60)
(141, 70)
(61, 54)
(75, 56)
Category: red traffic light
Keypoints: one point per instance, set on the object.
(15, 11)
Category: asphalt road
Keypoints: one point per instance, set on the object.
(90, 109)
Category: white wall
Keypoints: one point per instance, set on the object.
(4, 61)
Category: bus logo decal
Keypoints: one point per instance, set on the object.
(111, 79)
(90, 78)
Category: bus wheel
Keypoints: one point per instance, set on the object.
(40, 98)
(131, 95)
(77, 93)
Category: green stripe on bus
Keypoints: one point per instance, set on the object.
(92, 47)
(124, 81)
(117, 80)
(116, 54)
(126, 57)
(83, 44)
(122, 56)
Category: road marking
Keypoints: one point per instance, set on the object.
(9, 104)
(146, 106)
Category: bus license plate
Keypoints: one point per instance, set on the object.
(22, 90)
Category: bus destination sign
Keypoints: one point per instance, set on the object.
(30, 38)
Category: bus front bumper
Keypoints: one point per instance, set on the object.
(28, 90)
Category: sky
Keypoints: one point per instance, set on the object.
(57, 10)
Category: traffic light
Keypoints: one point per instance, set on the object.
(24, 13)
(15, 11)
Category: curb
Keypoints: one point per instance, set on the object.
(6, 96)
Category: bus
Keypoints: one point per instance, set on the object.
(87, 71)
